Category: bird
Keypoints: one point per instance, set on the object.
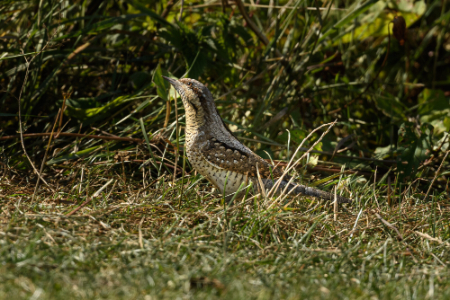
(221, 158)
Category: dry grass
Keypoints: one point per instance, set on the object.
(139, 243)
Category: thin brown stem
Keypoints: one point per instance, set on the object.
(435, 176)
(45, 155)
(21, 135)
(70, 134)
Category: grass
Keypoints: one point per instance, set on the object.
(113, 220)
(138, 243)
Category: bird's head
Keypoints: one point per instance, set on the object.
(197, 100)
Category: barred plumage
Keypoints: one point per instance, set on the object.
(215, 153)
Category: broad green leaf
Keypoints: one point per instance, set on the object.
(162, 85)
(359, 9)
(76, 155)
(150, 13)
(384, 152)
(354, 13)
(196, 67)
(312, 160)
(100, 26)
(413, 148)
(243, 34)
(379, 26)
(391, 107)
(140, 79)
(196, 47)
(434, 108)
(90, 115)
(297, 136)
(443, 144)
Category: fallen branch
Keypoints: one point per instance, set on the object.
(69, 134)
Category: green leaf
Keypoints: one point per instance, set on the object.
(414, 148)
(100, 26)
(79, 154)
(162, 85)
(150, 13)
(324, 180)
(443, 144)
(90, 115)
(384, 152)
(196, 67)
(297, 136)
(379, 26)
(348, 18)
(354, 13)
(391, 107)
(243, 34)
(140, 79)
(434, 108)
(265, 153)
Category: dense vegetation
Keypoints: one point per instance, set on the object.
(97, 199)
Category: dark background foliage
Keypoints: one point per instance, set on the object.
(322, 63)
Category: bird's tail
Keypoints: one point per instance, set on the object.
(297, 189)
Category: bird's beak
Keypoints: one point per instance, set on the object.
(173, 82)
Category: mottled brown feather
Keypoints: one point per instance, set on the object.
(215, 152)
(221, 154)
(225, 156)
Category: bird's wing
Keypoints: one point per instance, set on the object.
(223, 155)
